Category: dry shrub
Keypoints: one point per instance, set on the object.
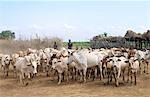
(12, 46)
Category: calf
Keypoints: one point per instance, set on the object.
(6, 59)
(61, 67)
(119, 64)
(24, 67)
(134, 67)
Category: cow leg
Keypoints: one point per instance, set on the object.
(81, 75)
(29, 75)
(53, 74)
(135, 77)
(144, 66)
(71, 73)
(111, 75)
(44, 67)
(84, 75)
(73, 70)
(76, 74)
(67, 76)
(128, 74)
(7, 69)
(14, 70)
(4, 72)
(89, 73)
(47, 70)
(147, 67)
(131, 78)
(60, 75)
(140, 65)
(117, 79)
(100, 69)
(123, 76)
(103, 72)
(95, 73)
(63, 76)
(108, 77)
(20, 78)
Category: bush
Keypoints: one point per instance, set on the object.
(12, 46)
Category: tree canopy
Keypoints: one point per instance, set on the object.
(7, 34)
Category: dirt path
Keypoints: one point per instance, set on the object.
(43, 87)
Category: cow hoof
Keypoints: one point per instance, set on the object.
(47, 75)
(27, 84)
(147, 73)
(116, 85)
(123, 82)
(127, 81)
(84, 81)
(108, 83)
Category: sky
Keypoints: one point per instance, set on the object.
(78, 20)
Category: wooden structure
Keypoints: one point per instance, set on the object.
(107, 42)
(130, 40)
(138, 41)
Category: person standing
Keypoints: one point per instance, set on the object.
(70, 44)
(55, 46)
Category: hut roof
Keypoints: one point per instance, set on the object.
(146, 35)
(97, 37)
(131, 34)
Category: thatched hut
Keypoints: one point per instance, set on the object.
(133, 39)
(146, 37)
(107, 42)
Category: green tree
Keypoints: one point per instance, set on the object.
(105, 34)
(7, 34)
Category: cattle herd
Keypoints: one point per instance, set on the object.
(82, 64)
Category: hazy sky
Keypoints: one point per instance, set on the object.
(76, 20)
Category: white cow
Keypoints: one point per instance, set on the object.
(84, 61)
(1, 55)
(143, 57)
(61, 67)
(5, 61)
(45, 62)
(119, 64)
(25, 66)
(134, 67)
(107, 64)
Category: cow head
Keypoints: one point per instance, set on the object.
(7, 60)
(34, 65)
(55, 63)
(70, 57)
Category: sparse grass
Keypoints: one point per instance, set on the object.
(11, 46)
(78, 44)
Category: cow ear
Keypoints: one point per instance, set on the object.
(59, 61)
(68, 52)
(119, 60)
(28, 65)
(126, 61)
(109, 60)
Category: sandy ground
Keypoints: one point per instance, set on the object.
(42, 86)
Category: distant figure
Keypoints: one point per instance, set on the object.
(55, 46)
(70, 44)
